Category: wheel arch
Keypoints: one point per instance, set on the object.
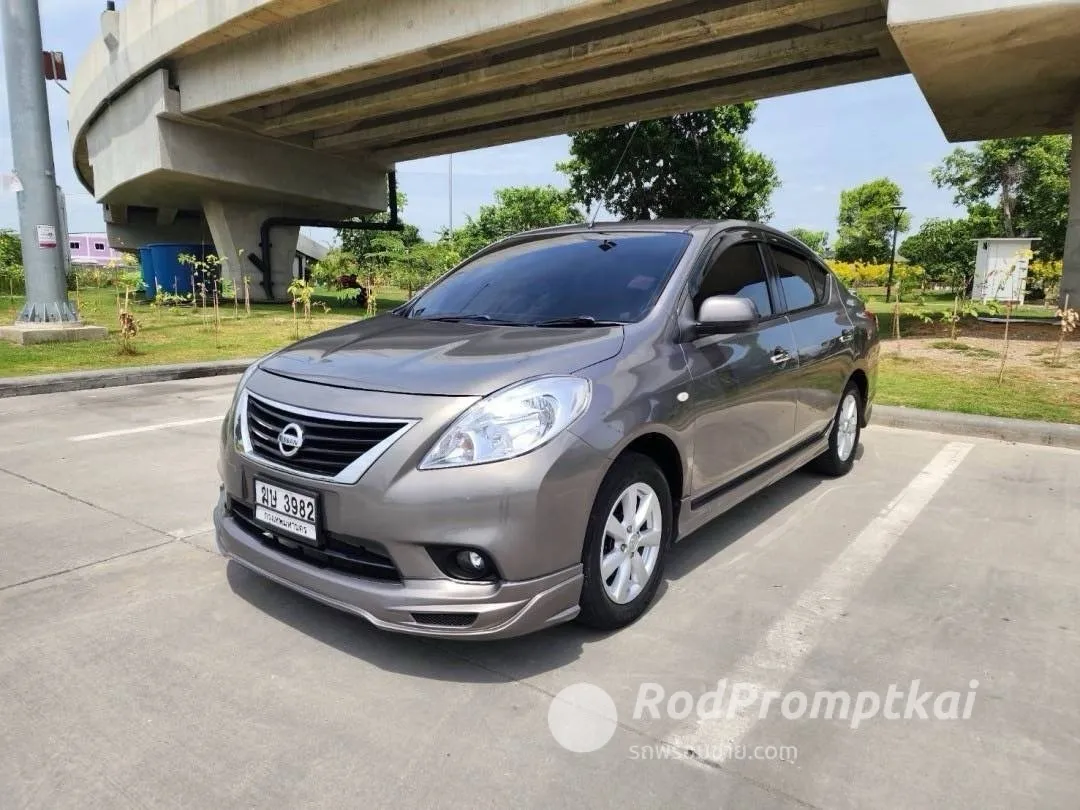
(664, 451)
(862, 382)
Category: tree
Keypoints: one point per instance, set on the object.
(359, 243)
(337, 263)
(691, 165)
(1026, 181)
(946, 248)
(10, 249)
(866, 221)
(817, 241)
(516, 209)
(423, 263)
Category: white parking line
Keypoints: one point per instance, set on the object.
(790, 639)
(108, 434)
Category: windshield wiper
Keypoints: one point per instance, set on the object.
(576, 320)
(484, 318)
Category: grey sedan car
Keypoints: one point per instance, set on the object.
(521, 443)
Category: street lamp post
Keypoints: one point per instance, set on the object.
(898, 212)
(31, 146)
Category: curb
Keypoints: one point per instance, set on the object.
(1054, 434)
(1022, 431)
(109, 378)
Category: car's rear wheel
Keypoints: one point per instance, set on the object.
(844, 435)
(629, 531)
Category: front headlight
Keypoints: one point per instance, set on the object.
(511, 422)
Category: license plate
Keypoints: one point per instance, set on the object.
(286, 511)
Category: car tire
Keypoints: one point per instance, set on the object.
(613, 594)
(843, 436)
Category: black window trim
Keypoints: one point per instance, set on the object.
(783, 244)
(726, 240)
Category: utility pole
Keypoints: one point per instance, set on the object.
(898, 212)
(31, 147)
(451, 229)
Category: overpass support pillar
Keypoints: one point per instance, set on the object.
(236, 230)
(1070, 278)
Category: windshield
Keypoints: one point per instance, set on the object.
(577, 278)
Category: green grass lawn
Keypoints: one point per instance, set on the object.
(183, 335)
(938, 301)
(174, 335)
(1021, 394)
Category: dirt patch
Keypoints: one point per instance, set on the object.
(972, 328)
(973, 354)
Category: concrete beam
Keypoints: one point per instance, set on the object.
(147, 33)
(361, 40)
(142, 154)
(115, 214)
(993, 68)
(610, 114)
(782, 51)
(142, 228)
(724, 23)
(165, 216)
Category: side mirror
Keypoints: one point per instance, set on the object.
(723, 314)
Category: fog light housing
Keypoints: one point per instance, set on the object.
(469, 564)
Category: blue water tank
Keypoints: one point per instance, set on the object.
(161, 266)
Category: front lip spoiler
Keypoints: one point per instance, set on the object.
(529, 606)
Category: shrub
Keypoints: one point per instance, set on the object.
(12, 280)
(858, 274)
(1044, 279)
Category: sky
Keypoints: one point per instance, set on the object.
(822, 142)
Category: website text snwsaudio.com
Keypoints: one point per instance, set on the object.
(716, 753)
(583, 717)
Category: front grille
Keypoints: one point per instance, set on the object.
(445, 619)
(346, 554)
(329, 444)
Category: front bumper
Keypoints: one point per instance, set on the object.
(384, 534)
(501, 610)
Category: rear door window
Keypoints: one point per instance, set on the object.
(803, 283)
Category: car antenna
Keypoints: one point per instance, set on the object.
(614, 175)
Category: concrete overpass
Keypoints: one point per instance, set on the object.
(191, 117)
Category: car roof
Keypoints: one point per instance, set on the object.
(660, 225)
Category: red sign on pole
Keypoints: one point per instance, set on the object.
(54, 66)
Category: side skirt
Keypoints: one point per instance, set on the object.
(696, 512)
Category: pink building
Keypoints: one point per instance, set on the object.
(92, 248)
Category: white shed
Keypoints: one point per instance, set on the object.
(1001, 267)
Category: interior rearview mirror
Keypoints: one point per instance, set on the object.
(720, 314)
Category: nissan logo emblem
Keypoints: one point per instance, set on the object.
(290, 440)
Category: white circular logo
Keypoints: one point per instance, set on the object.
(290, 440)
(582, 718)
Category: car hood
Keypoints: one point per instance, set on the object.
(414, 356)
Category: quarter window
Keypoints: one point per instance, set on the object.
(803, 283)
(737, 271)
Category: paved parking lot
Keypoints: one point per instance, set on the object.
(138, 669)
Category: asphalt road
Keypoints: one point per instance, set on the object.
(138, 669)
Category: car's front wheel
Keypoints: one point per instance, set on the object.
(629, 531)
(844, 435)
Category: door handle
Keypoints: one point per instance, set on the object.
(847, 336)
(779, 356)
